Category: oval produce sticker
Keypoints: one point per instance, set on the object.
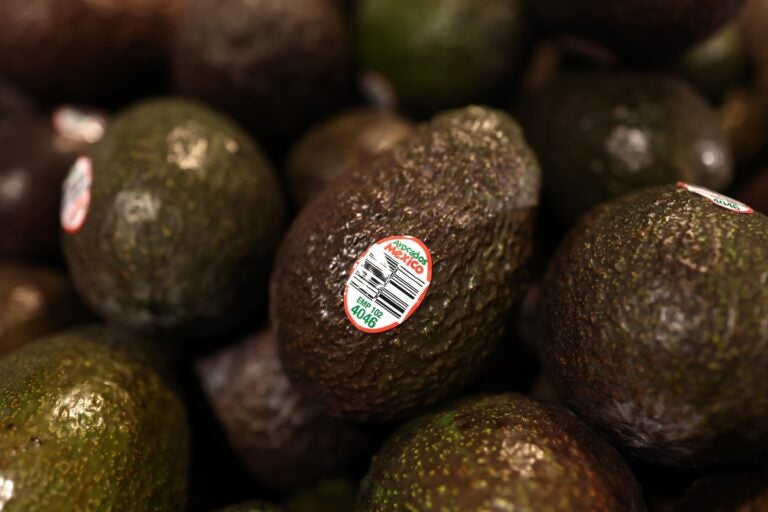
(718, 199)
(388, 283)
(76, 195)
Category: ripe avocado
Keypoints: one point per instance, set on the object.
(754, 25)
(35, 301)
(502, 452)
(741, 489)
(744, 117)
(253, 506)
(654, 317)
(83, 50)
(276, 66)
(283, 438)
(34, 160)
(638, 29)
(442, 54)
(185, 214)
(602, 134)
(335, 146)
(467, 186)
(87, 423)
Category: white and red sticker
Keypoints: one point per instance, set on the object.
(388, 283)
(718, 199)
(76, 195)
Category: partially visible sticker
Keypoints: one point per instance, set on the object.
(388, 283)
(76, 195)
(718, 199)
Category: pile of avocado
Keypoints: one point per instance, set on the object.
(383, 256)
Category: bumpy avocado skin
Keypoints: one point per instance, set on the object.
(442, 54)
(35, 301)
(603, 134)
(276, 66)
(283, 438)
(502, 452)
(89, 424)
(742, 489)
(638, 29)
(654, 313)
(479, 233)
(253, 506)
(344, 141)
(184, 219)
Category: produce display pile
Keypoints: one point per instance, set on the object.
(383, 256)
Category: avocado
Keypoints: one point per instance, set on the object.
(34, 160)
(35, 301)
(325, 496)
(171, 221)
(81, 50)
(601, 134)
(88, 423)
(646, 30)
(744, 118)
(499, 452)
(653, 313)
(438, 232)
(283, 438)
(14, 102)
(716, 64)
(276, 66)
(742, 488)
(754, 25)
(253, 506)
(442, 54)
(333, 147)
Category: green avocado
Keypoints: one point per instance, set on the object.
(603, 134)
(716, 64)
(276, 66)
(181, 224)
(338, 144)
(654, 317)
(463, 188)
(87, 423)
(740, 489)
(283, 438)
(35, 301)
(442, 54)
(505, 453)
(648, 30)
(253, 506)
(325, 496)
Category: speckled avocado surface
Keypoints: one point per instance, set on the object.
(87, 424)
(183, 220)
(505, 453)
(283, 438)
(276, 66)
(603, 134)
(444, 54)
(337, 145)
(35, 301)
(644, 29)
(655, 313)
(467, 186)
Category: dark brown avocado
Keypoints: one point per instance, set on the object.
(84, 50)
(638, 29)
(276, 66)
(466, 186)
(654, 313)
(503, 452)
(283, 438)
(35, 301)
(340, 143)
(737, 489)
